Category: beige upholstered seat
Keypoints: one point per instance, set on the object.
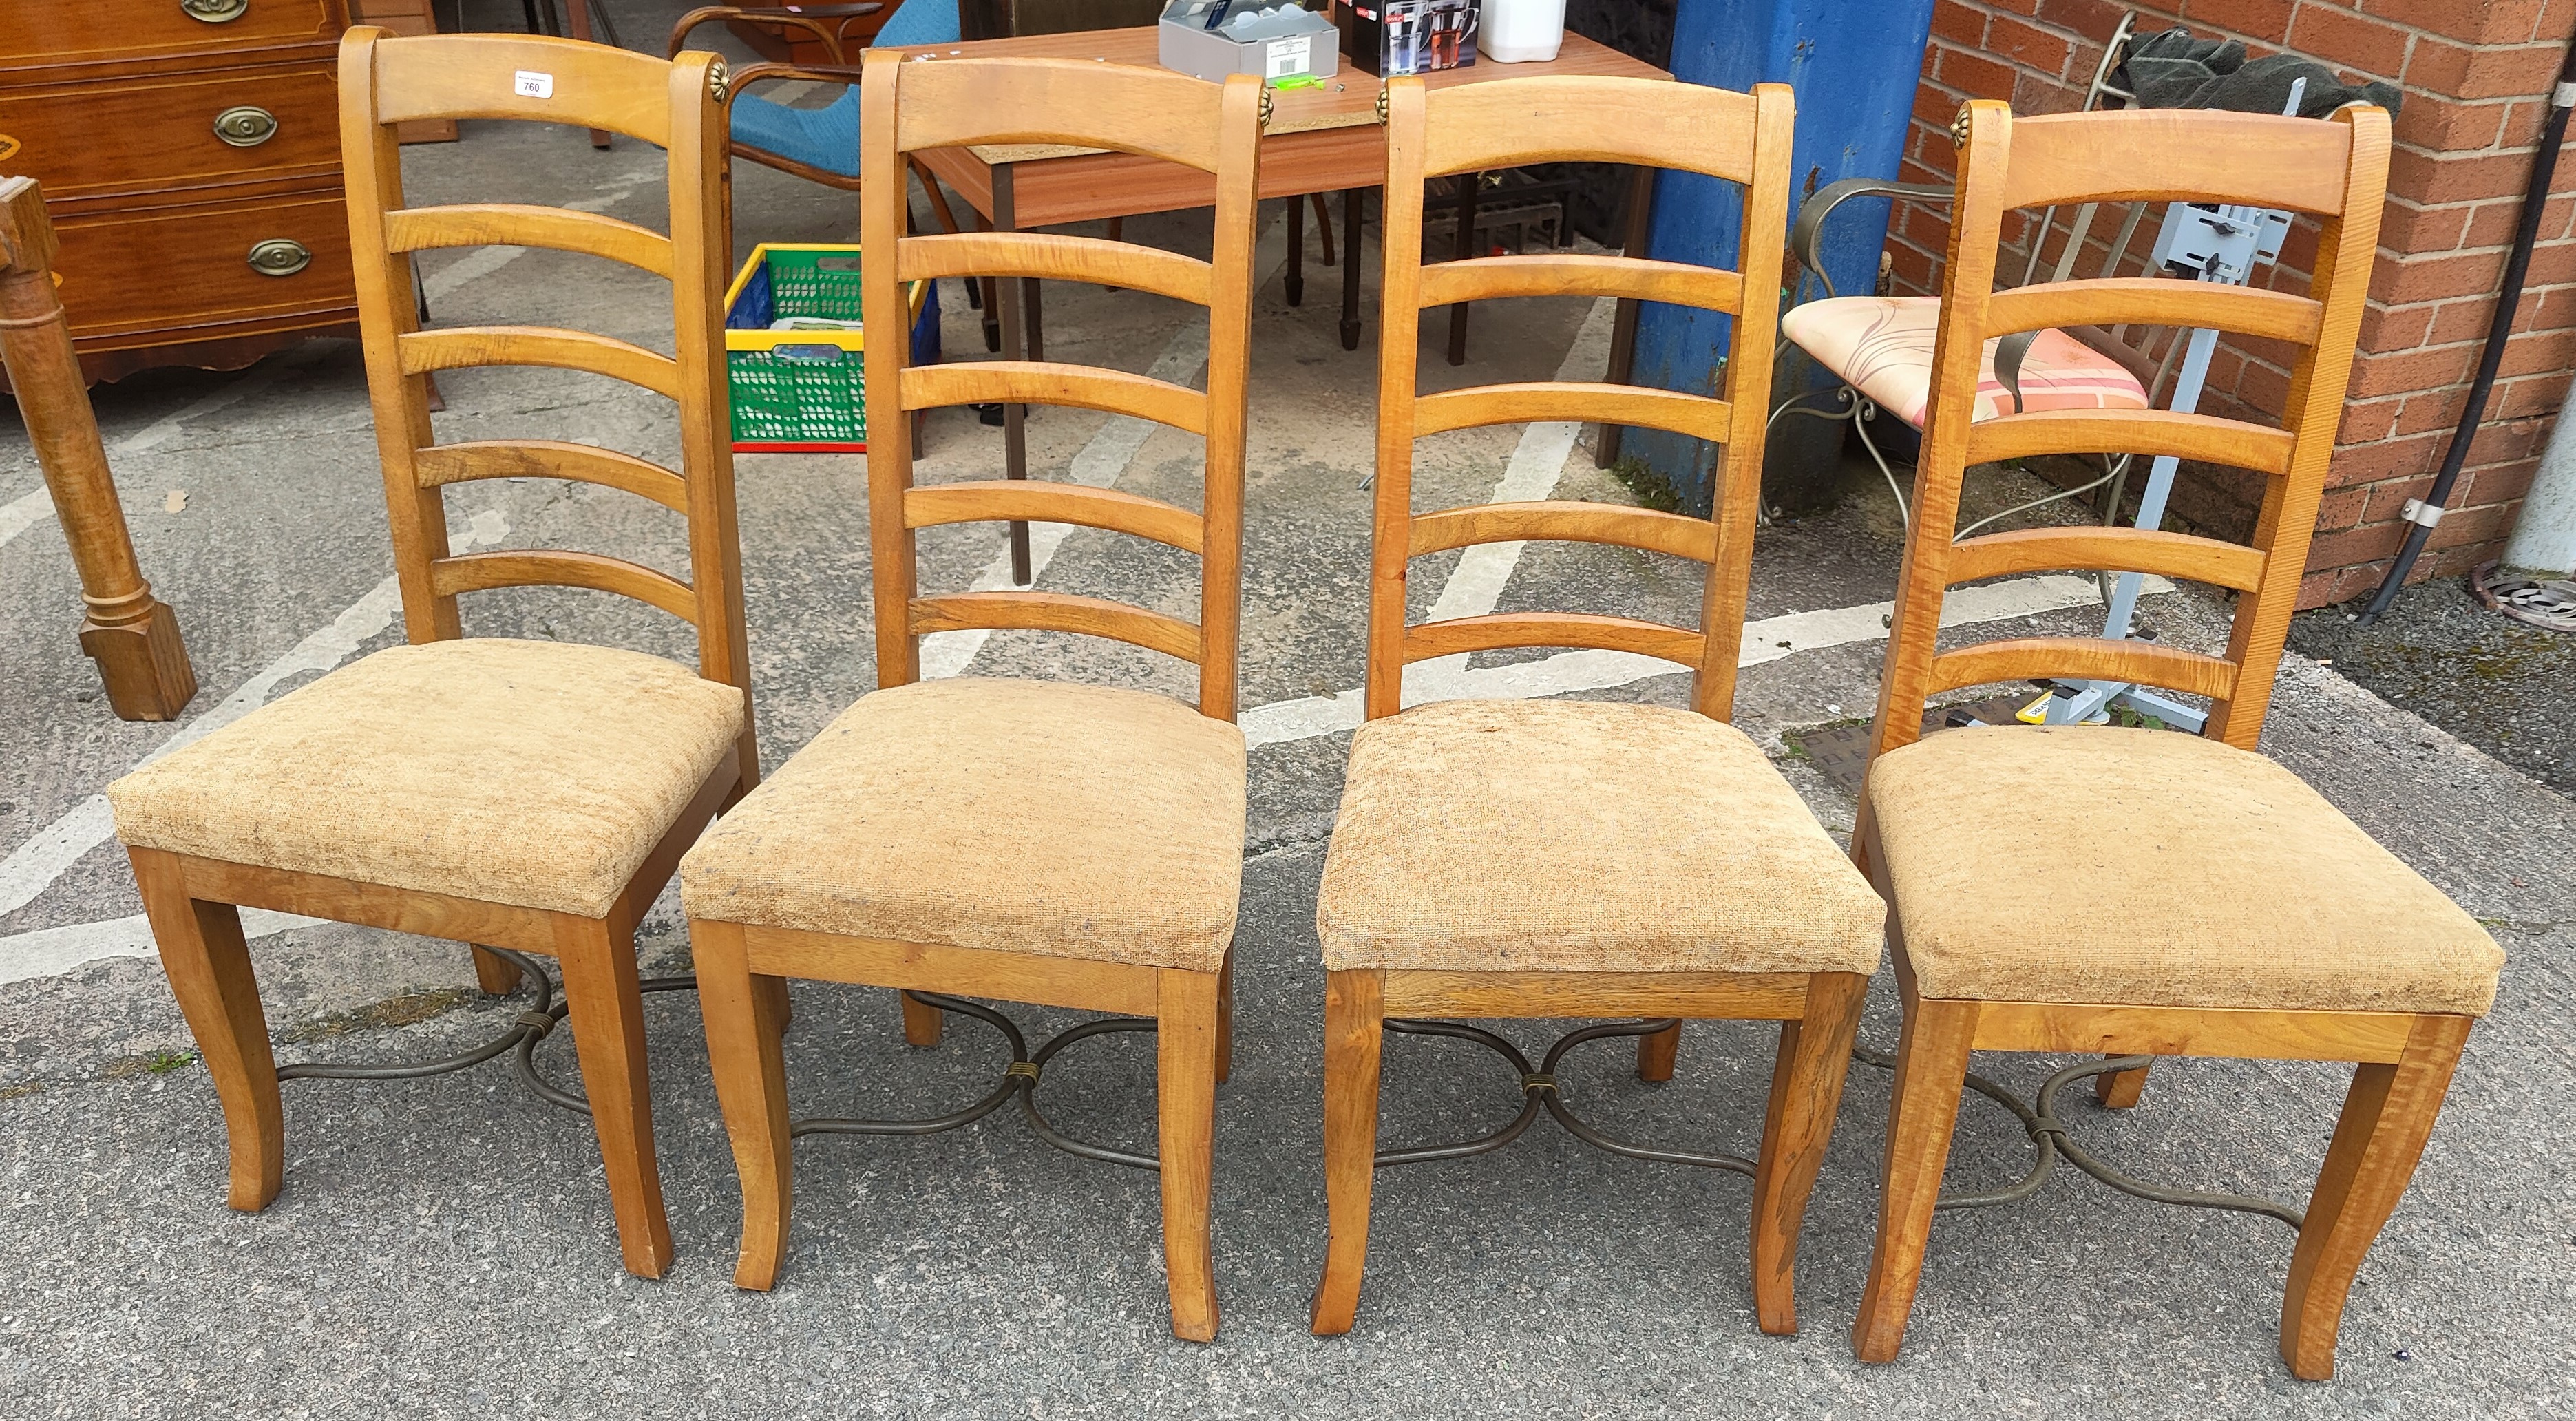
(532, 774)
(1016, 816)
(2142, 867)
(1577, 836)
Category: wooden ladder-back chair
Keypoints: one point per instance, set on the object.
(1065, 845)
(530, 796)
(1535, 859)
(2154, 893)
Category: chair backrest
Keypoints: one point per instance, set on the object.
(673, 104)
(2336, 170)
(908, 106)
(1741, 138)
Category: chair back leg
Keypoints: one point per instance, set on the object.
(743, 1024)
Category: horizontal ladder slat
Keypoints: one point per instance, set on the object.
(1581, 274)
(1045, 382)
(475, 572)
(1561, 520)
(1577, 401)
(2232, 442)
(2156, 301)
(1057, 612)
(1027, 501)
(2107, 550)
(483, 224)
(1050, 257)
(460, 346)
(2142, 662)
(475, 459)
(1500, 632)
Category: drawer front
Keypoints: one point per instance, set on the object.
(174, 269)
(183, 130)
(42, 32)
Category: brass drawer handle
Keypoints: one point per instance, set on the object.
(246, 127)
(280, 256)
(214, 12)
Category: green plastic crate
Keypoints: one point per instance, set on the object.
(806, 391)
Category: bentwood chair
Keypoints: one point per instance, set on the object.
(2157, 893)
(531, 796)
(1065, 845)
(1537, 859)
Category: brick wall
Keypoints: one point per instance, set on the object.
(2475, 75)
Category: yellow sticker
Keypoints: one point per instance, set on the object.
(8, 147)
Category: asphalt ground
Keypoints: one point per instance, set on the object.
(443, 1248)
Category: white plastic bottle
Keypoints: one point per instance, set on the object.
(1520, 31)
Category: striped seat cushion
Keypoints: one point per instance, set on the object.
(1882, 346)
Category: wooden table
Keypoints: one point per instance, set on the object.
(1318, 140)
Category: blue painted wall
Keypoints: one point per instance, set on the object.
(1854, 65)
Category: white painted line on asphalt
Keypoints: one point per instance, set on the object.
(1100, 464)
(1767, 640)
(33, 866)
(51, 952)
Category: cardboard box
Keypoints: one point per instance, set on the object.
(1184, 42)
(1389, 37)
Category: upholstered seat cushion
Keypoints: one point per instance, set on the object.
(827, 137)
(1572, 836)
(1882, 345)
(531, 774)
(2075, 863)
(1017, 816)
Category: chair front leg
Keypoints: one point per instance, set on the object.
(744, 1023)
(607, 1015)
(1354, 1036)
(208, 964)
(1185, 1011)
(1225, 1019)
(1806, 1092)
(2387, 1116)
(1931, 1070)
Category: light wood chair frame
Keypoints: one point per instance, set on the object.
(1740, 138)
(742, 968)
(193, 902)
(2335, 171)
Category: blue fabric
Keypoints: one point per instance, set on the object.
(828, 137)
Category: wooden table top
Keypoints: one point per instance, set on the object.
(1347, 100)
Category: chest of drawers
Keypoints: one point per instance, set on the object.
(190, 156)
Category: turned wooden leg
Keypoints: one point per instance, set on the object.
(922, 1022)
(208, 964)
(2387, 1116)
(498, 976)
(1931, 1069)
(1354, 1034)
(1323, 224)
(1185, 1007)
(1806, 1091)
(1656, 1053)
(2118, 1090)
(743, 1028)
(1225, 1020)
(607, 1017)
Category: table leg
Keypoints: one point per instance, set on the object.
(1623, 329)
(1015, 437)
(1354, 213)
(577, 15)
(132, 636)
(1296, 251)
(1460, 250)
